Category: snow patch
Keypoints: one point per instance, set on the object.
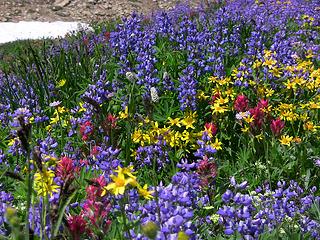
(10, 31)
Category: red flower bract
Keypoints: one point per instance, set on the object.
(66, 168)
(77, 226)
(241, 103)
(258, 116)
(276, 126)
(211, 127)
(112, 120)
(207, 171)
(263, 103)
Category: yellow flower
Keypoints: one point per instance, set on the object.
(217, 144)
(81, 109)
(44, 184)
(259, 137)
(61, 110)
(269, 63)
(147, 138)
(313, 105)
(217, 108)
(124, 115)
(224, 81)
(128, 171)
(188, 122)
(118, 185)
(267, 53)
(54, 120)
(143, 191)
(201, 95)
(245, 129)
(221, 100)
(248, 119)
(49, 128)
(269, 92)
(309, 126)
(183, 236)
(275, 72)
(31, 120)
(12, 141)
(256, 64)
(61, 83)
(137, 136)
(291, 85)
(286, 140)
(212, 79)
(297, 140)
(289, 116)
(299, 81)
(310, 54)
(185, 136)
(175, 122)
(230, 93)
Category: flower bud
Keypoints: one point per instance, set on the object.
(183, 236)
(11, 216)
(150, 229)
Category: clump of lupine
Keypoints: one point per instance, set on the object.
(265, 209)
(134, 131)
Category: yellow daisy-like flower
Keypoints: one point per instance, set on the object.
(201, 95)
(275, 72)
(81, 109)
(61, 110)
(269, 92)
(256, 64)
(44, 184)
(188, 122)
(217, 144)
(61, 83)
(212, 79)
(124, 115)
(270, 63)
(143, 191)
(248, 119)
(137, 136)
(12, 141)
(174, 122)
(54, 120)
(128, 171)
(186, 136)
(290, 85)
(118, 185)
(217, 108)
(245, 129)
(309, 126)
(221, 100)
(285, 140)
(297, 140)
(313, 105)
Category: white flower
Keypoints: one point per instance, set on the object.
(55, 104)
(242, 115)
(154, 95)
(130, 76)
(165, 75)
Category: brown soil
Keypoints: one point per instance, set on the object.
(78, 10)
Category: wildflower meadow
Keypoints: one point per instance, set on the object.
(183, 124)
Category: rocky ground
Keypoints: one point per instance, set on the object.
(79, 10)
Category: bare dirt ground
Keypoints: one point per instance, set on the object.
(79, 10)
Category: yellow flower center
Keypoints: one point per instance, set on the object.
(119, 182)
